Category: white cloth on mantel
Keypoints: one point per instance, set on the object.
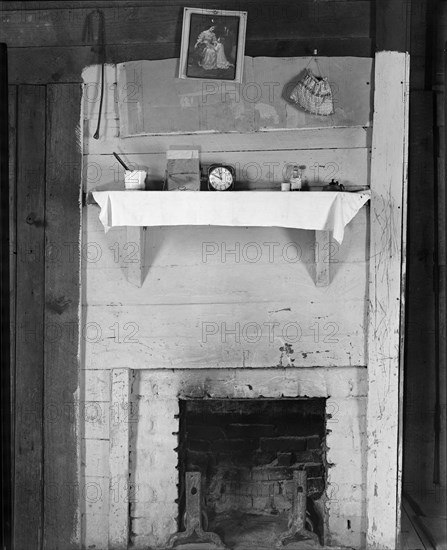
(318, 210)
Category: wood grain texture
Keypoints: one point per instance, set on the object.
(119, 458)
(29, 328)
(46, 42)
(161, 22)
(388, 207)
(392, 25)
(62, 290)
(238, 334)
(312, 138)
(65, 64)
(12, 146)
(420, 379)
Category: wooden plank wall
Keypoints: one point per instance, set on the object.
(47, 45)
(62, 291)
(50, 40)
(12, 145)
(425, 474)
(29, 321)
(386, 295)
(44, 313)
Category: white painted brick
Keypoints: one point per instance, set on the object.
(337, 491)
(344, 409)
(95, 531)
(96, 415)
(347, 466)
(94, 495)
(345, 507)
(142, 542)
(341, 535)
(95, 457)
(159, 524)
(97, 385)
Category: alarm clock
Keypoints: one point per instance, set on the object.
(221, 177)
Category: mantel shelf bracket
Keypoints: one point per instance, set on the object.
(137, 237)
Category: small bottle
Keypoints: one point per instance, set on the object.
(295, 179)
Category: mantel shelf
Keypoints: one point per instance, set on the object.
(322, 212)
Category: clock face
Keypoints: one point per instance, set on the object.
(220, 178)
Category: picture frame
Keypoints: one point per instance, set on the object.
(213, 44)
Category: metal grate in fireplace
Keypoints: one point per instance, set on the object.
(247, 451)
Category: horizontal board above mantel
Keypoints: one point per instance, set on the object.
(354, 137)
(152, 100)
(237, 335)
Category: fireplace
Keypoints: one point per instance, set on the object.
(247, 452)
(247, 432)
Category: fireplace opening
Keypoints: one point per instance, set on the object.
(247, 452)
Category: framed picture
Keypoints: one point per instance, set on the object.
(213, 44)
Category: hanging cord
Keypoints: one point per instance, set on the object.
(99, 48)
(315, 60)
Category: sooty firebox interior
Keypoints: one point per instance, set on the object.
(246, 451)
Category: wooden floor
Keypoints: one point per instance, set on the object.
(410, 539)
(423, 527)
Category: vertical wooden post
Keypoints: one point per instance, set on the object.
(7, 268)
(62, 294)
(135, 267)
(386, 291)
(119, 459)
(12, 113)
(29, 328)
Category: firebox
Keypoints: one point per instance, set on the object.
(246, 451)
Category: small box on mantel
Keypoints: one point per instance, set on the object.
(182, 170)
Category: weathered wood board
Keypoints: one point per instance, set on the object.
(313, 138)
(12, 146)
(119, 458)
(304, 330)
(62, 292)
(47, 42)
(152, 100)
(156, 22)
(29, 329)
(388, 215)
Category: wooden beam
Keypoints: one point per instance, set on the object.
(29, 326)
(7, 289)
(62, 291)
(12, 138)
(119, 459)
(386, 273)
